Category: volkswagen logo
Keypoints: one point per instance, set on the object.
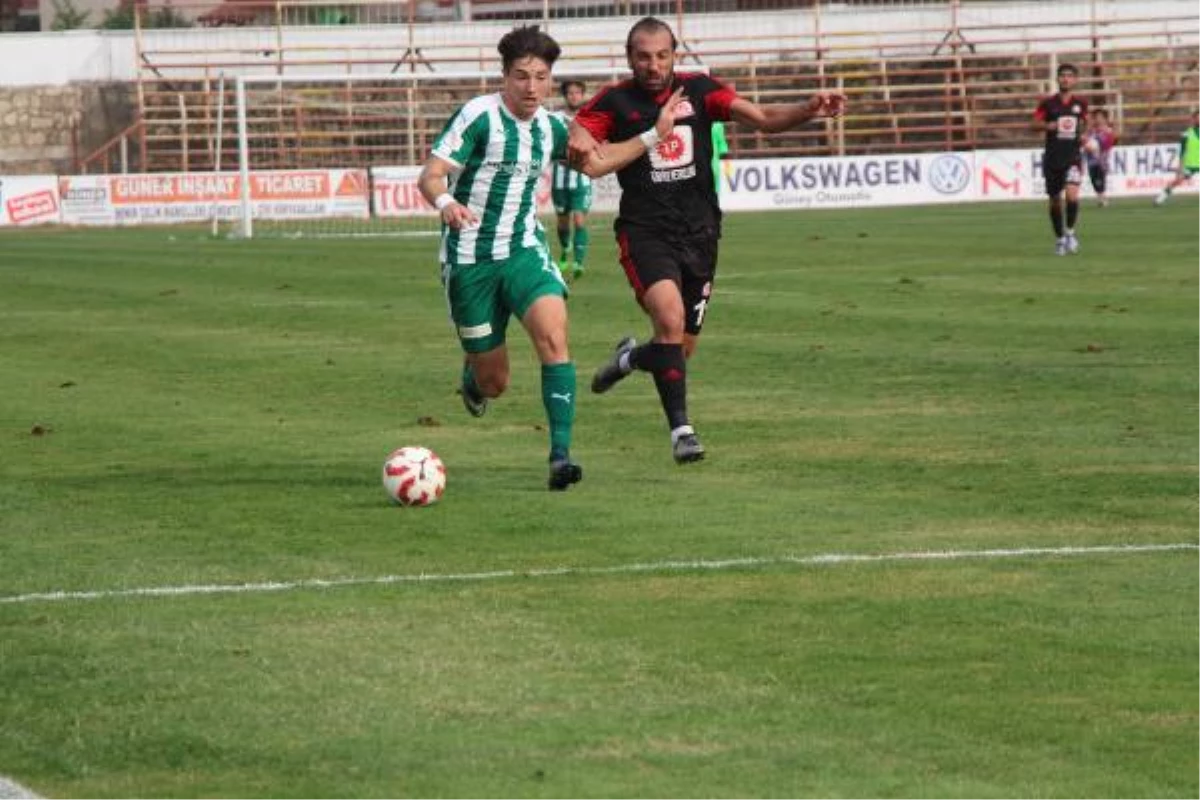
(949, 174)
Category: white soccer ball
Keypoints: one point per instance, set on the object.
(414, 476)
(1092, 145)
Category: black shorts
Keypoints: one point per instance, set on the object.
(1098, 174)
(1059, 176)
(649, 257)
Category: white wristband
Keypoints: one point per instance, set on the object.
(442, 200)
(650, 138)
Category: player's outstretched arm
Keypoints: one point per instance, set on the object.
(432, 183)
(597, 159)
(784, 117)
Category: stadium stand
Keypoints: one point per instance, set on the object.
(915, 87)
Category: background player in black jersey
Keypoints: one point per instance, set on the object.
(669, 221)
(1063, 118)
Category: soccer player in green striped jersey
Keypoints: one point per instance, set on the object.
(571, 193)
(482, 177)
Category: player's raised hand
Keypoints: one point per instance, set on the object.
(666, 115)
(827, 105)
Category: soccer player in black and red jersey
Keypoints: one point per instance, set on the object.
(669, 220)
(1063, 117)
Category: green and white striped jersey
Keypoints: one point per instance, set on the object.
(498, 161)
(562, 176)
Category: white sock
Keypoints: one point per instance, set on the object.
(682, 430)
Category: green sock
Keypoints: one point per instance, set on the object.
(558, 396)
(581, 245)
(564, 239)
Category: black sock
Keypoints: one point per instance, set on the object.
(668, 365)
(1056, 219)
(1072, 213)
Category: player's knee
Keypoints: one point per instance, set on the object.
(668, 326)
(551, 345)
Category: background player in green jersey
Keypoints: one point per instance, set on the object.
(482, 177)
(571, 193)
(720, 149)
(1189, 158)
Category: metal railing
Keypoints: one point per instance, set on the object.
(952, 84)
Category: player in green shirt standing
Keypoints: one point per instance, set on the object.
(482, 177)
(720, 149)
(571, 193)
(1189, 159)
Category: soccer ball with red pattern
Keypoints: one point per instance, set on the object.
(414, 476)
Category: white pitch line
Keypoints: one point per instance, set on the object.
(11, 789)
(652, 566)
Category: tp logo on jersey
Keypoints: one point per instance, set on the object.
(949, 174)
(675, 150)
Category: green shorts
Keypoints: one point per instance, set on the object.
(482, 296)
(567, 200)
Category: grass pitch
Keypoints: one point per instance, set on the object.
(183, 412)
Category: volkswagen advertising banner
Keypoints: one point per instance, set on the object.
(800, 183)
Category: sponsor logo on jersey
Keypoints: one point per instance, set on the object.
(516, 168)
(673, 159)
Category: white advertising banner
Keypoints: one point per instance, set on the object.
(396, 194)
(852, 181)
(195, 197)
(746, 185)
(28, 200)
(606, 194)
(1137, 170)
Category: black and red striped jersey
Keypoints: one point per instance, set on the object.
(1070, 118)
(671, 187)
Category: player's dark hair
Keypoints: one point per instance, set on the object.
(1071, 68)
(527, 41)
(648, 25)
(566, 86)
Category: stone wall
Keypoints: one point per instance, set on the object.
(43, 129)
